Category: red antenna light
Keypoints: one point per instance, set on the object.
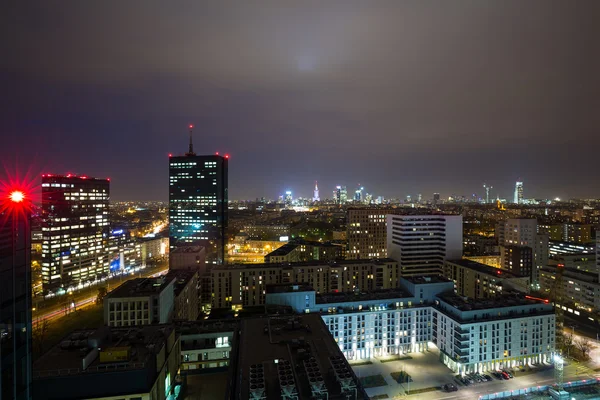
(108, 179)
(17, 196)
(83, 177)
(191, 126)
(217, 153)
(170, 155)
(226, 155)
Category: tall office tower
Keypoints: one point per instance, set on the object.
(518, 193)
(367, 232)
(358, 195)
(422, 243)
(522, 232)
(487, 192)
(420, 198)
(74, 230)
(15, 297)
(341, 195)
(436, 199)
(198, 202)
(316, 193)
(288, 198)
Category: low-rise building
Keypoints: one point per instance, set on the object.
(140, 301)
(473, 335)
(476, 280)
(304, 250)
(580, 290)
(206, 344)
(184, 257)
(245, 285)
(110, 363)
(185, 296)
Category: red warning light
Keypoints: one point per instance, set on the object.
(170, 155)
(217, 153)
(191, 126)
(84, 177)
(17, 196)
(108, 179)
(226, 155)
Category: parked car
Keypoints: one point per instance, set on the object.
(487, 377)
(450, 387)
(510, 375)
(505, 375)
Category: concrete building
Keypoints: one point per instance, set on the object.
(110, 363)
(422, 243)
(304, 250)
(556, 248)
(367, 232)
(272, 232)
(472, 335)
(185, 257)
(140, 301)
(245, 285)
(480, 281)
(185, 294)
(154, 248)
(580, 289)
(206, 344)
(74, 231)
(310, 366)
(514, 236)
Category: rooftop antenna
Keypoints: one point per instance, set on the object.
(191, 147)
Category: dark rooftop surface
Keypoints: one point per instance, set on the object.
(139, 287)
(207, 326)
(345, 297)
(507, 300)
(289, 247)
(292, 355)
(144, 342)
(379, 261)
(420, 280)
(182, 278)
(289, 288)
(485, 269)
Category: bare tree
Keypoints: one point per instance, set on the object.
(101, 294)
(39, 332)
(584, 345)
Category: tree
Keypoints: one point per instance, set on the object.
(584, 345)
(39, 332)
(101, 294)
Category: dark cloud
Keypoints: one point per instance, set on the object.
(403, 97)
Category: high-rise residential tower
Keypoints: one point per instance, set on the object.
(198, 202)
(15, 297)
(75, 230)
(518, 198)
(422, 243)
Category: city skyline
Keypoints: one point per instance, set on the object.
(411, 98)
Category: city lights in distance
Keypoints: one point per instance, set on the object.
(17, 196)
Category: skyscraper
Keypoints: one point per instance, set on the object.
(518, 193)
(341, 195)
(422, 243)
(316, 193)
(436, 199)
(198, 202)
(358, 195)
(15, 297)
(288, 198)
(74, 230)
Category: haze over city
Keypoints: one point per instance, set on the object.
(401, 97)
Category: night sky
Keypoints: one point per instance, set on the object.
(403, 97)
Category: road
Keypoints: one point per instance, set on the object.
(59, 307)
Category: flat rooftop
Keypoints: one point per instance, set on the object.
(144, 342)
(140, 287)
(507, 300)
(421, 280)
(186, 249)
(346, 297)
(294, 354)
(485, 269)
(289, 288)
(379, 261)
(207, 326)
(182, 278)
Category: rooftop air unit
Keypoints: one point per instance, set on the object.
(286, 380)
(315, 378)
(257, 382)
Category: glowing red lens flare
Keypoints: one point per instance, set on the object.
(17, 196)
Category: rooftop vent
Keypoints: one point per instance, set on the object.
(257, 382)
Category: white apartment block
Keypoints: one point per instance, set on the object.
(472, 335)
(422, 243)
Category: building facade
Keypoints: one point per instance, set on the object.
(479, 281)
(75, 231)
(140, 301)
(15, 302)
(422, 243)
(367, 232)
(245, 285)
(304, 250)
(198, 203)
(472, 335)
